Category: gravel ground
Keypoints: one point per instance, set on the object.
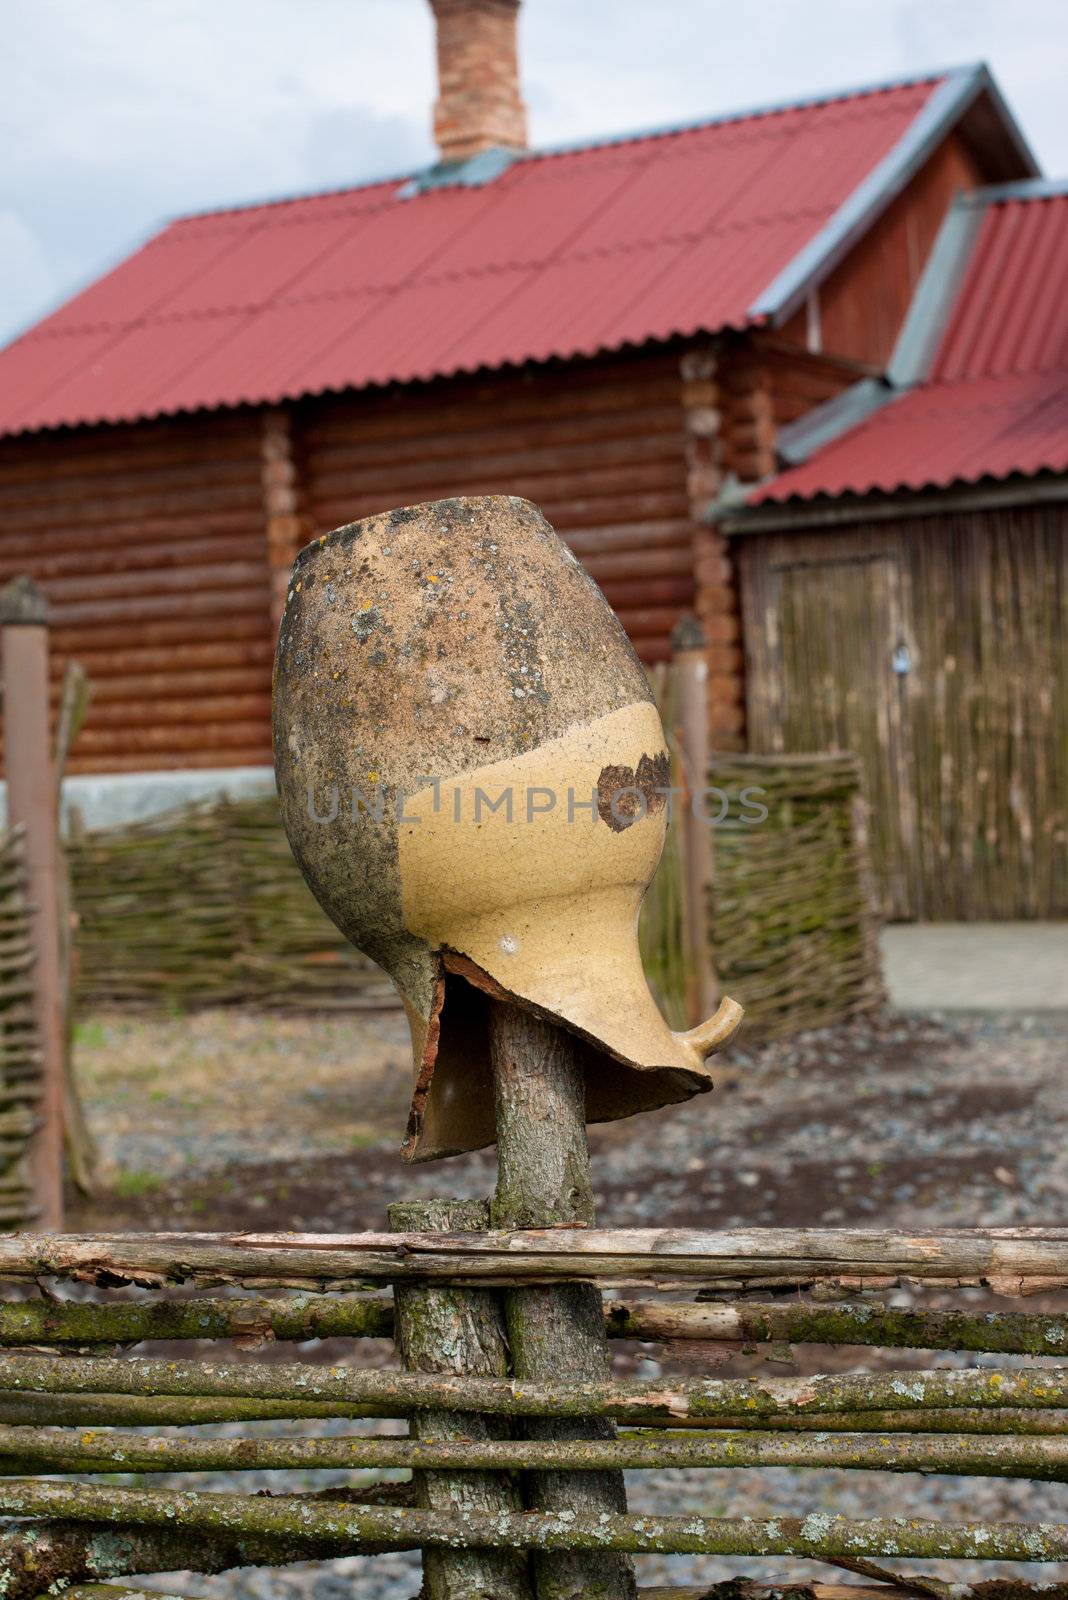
(901, 1121)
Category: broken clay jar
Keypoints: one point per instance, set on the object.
(473, 778)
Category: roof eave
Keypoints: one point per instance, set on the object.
(880, 505)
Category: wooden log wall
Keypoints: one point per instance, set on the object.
(798, 381)
(149, 543)
(164, 548)
(966, 753)
(598, 445)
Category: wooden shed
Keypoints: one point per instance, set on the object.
(611, 329)
(905, 582)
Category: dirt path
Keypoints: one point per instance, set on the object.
(228, 1119)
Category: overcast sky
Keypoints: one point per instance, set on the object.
(118, 114)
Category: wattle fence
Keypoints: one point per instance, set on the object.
(792, 918)
(485, 1446)
(20, 1054)
(205, 906)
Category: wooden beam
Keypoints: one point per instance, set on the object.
(447, 1330)
(703, 373)
(1011, 1261)
(288, 526)
(691, 651)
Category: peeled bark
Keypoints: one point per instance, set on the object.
(1010, 1260)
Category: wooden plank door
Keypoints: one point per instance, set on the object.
(845, 659)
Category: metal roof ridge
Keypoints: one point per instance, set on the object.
(946, 105)
(935, 295)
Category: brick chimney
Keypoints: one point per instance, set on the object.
(479, 106)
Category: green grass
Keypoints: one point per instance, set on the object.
(91, 1033)
(128, 1185)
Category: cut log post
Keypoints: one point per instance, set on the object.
(458, 1331)
(31, 803)
(543, 1181)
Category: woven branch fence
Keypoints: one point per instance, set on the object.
(20, 1057)
(68, 1414)
(792, 919)
(204, 905)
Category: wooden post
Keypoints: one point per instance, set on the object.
(287, 525)
(457, 1331)
(31, 801)
(707, 400)
(543, 1181)
(691, 664)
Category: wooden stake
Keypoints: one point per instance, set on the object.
(458, 1331)
(543, 1180)
(691, 664)
(83, 1156)
(31, 802)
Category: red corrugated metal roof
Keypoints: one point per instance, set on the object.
(995, 403)
(563, 254)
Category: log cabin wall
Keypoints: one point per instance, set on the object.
(599, 445)
(965, 745)
(149, 543)
(621, 453)
(163, 547)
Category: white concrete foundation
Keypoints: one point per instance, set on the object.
(110, 800)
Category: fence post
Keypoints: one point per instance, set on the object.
(543, 1181)
(691, 665)
(31, 801)
(444, 1329)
